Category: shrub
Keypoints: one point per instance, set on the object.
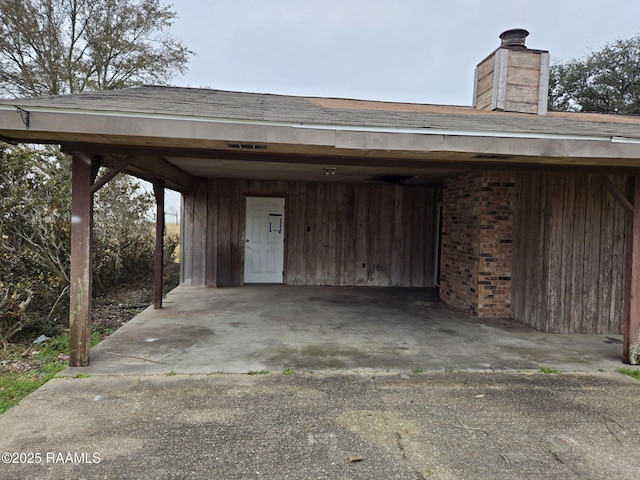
(35, 231)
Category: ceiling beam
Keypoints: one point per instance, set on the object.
(139, 162)
(159, 168)
(111, 174)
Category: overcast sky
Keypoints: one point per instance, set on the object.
(421, 51)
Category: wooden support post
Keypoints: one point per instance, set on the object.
(81, 260)
(158, 190)
(631, 347)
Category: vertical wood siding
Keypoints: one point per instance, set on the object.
(568, 254)
(335, 233)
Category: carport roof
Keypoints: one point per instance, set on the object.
(179, 133)
(260, 107)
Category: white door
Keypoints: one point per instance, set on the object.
(264, 240)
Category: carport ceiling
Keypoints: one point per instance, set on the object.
(318, 170)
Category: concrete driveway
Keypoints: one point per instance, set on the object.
(273, 328)
(446, 425)
(387, 385)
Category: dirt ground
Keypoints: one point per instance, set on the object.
(110, 311)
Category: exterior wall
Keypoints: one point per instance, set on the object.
(568, 254)
(476, 243)
(335, 233)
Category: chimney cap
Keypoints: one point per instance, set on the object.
(514, 37)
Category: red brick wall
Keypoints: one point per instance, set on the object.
(460, 242)
(477, 236)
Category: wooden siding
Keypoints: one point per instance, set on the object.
(568, 254)
(335, 233)
(510, 80)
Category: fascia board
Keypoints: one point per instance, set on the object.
(85, 122)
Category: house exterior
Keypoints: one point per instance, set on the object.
(512, 211)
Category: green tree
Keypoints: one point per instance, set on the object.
(35, 193)
(53, 47)
(606, 81)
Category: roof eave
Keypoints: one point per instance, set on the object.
(60, 126)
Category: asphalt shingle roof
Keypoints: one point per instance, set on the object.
(238, 106)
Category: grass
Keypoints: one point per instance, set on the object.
(258, 372)
(635, 373)
(417, 371)
(172, 373)
(288, 371)
(550, 371)
(52, 357)
(14, 386)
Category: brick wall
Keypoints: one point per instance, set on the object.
(477, 235)
(460, 246)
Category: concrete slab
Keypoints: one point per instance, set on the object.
(273, 328)
(444, 425)
(144, 410)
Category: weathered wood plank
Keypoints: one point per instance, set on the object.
(397, 239)
(311, 232)
(80, 293)
(211, 275)
(486, 67)
(605, 263)
(293, 236)
(158, 268)
(237, 232)
(417, 242)
(616, 312)
(631, 337)
(592, 256)
(186, 229)
(320, 230)
(409, 202)
(386, 245)
(362, 221)
(576, 294)
(337, 234)
(566, 254)
(555, 299)
(301, 193)
(199, 239)
(224, 233)
(524, 59)
(349, 261)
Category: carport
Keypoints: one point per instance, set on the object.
(301, 329)
(511, 211)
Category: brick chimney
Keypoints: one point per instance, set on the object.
(513, 78)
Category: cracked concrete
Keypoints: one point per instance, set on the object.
(446, 425)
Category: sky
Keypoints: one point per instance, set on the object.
(422, 51)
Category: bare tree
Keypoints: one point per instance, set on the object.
(52, 47)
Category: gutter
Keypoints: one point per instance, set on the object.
(326, 127)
